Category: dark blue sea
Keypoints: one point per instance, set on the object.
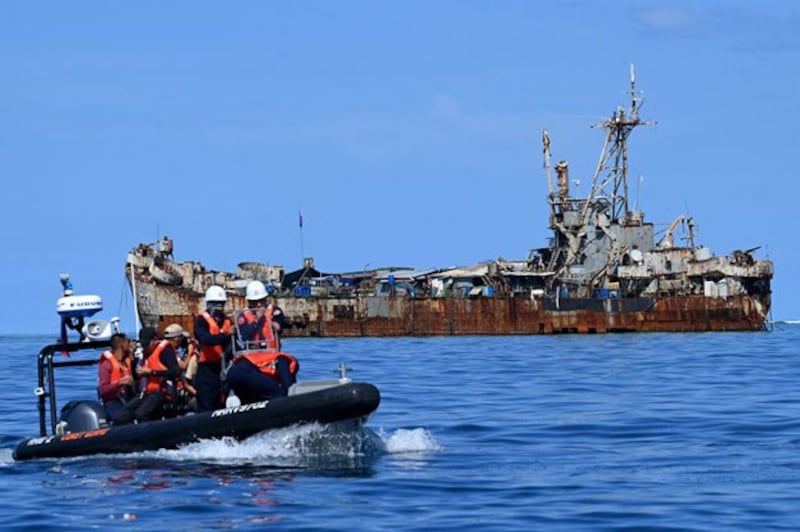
(600, 432)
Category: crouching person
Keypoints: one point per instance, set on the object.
(161, 373)
(259, 376)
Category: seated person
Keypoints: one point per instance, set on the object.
(259, 371)
(188, 365)
(161, 373)
(115, 376)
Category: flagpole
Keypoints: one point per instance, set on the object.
(302, 251)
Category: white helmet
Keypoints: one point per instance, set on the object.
(215, 293)
(255, 291)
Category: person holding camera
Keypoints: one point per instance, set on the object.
(261, 370)
(213, 332)
(161, 372)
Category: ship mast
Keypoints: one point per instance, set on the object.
(610, 182)
(546, 150)
(582, 225)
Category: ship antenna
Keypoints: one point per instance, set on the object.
(633, 94)
(638, 189)
(546, 150)
(610, 182)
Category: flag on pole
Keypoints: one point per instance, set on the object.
(301, 218)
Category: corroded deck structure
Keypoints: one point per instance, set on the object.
(603, 271)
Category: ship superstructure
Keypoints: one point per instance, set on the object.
(602, 271)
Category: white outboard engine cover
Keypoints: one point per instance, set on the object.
(79, 306)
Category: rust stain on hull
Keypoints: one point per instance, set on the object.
(514, 316)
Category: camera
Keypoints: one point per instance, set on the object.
(138, 351)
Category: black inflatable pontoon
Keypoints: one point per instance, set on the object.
(82, 429)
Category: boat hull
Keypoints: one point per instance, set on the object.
(351, 402)
(367, 316)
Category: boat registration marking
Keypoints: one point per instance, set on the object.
(81, 435)
(44, 440)
(39, 441)
(240, 408)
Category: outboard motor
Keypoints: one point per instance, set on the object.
(80, 416)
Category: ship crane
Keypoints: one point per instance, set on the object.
(669, 239)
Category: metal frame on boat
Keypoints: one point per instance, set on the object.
(338, 402)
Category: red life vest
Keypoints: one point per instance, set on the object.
(118, 371)
(266, 333)
(153, 383)
(265, 362)
(213, 353)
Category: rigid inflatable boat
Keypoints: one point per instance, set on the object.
(82, 429)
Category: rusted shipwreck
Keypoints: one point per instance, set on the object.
(604, 270)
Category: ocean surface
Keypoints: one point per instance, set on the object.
(600, 432)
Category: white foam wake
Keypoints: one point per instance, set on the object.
(299, 446)
(307, 445)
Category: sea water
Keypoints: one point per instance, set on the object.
(592, 432)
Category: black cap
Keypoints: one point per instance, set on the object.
(146, 335)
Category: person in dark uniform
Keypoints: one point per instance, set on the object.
(278, 318)
(259, 309)
(213, 330)
(261, 371)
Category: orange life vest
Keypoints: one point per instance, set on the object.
(153, 383)
(266, 333)
(118, 371)
(265, 362)
(213, 353)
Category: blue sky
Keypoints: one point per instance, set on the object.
(408, 132)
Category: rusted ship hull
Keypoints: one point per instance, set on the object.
(500, 315)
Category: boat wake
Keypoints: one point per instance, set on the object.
(298, 446)
(410, 441)
(305, 446)
(6, 458)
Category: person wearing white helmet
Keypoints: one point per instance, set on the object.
(213, 332)
(258, 303)
(255, 291)
(261, 371)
